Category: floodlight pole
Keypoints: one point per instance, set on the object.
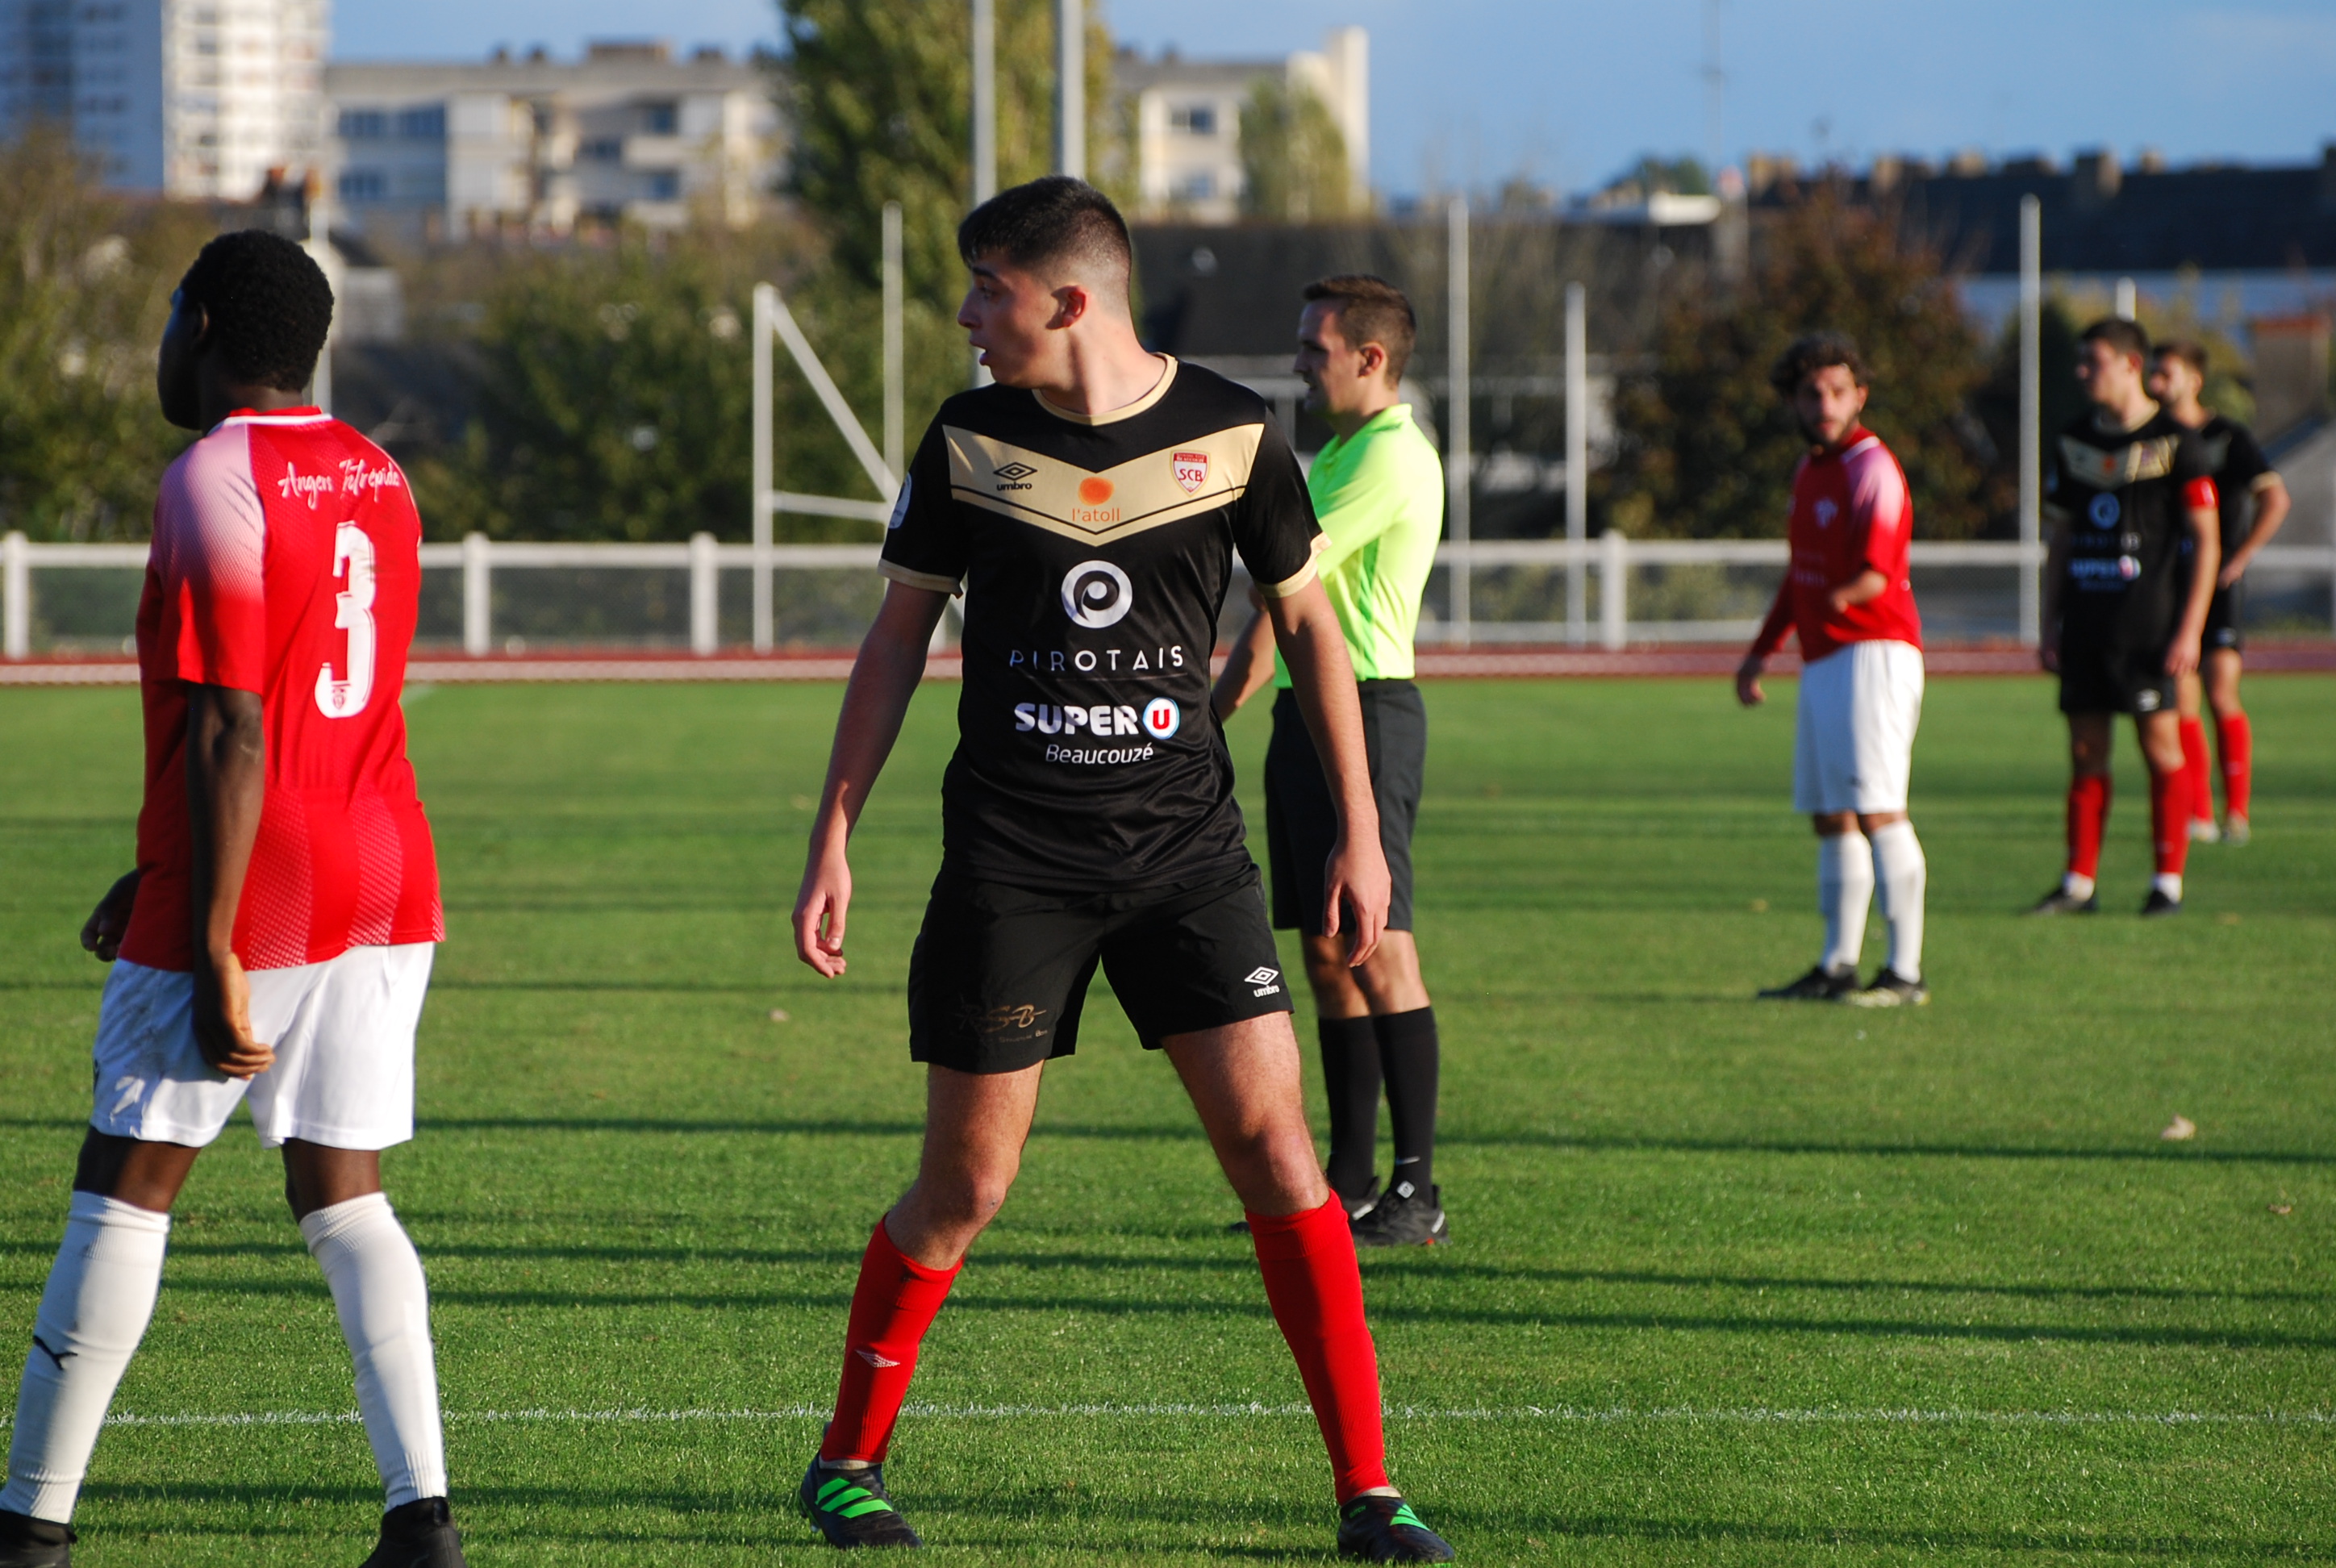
(894, 351)
(1071, 88)
(1457, 454)
(1577, 456)
(2032, 414)
(985, 122)
(762, 534)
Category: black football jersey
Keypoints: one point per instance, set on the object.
(2240, 472)
(1095, 555)
(2116, 495)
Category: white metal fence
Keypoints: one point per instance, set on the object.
(486, 596)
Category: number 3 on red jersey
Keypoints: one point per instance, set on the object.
(353, 558)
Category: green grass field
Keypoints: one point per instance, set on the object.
(1731, 1283)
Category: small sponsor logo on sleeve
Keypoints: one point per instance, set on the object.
(900, 505)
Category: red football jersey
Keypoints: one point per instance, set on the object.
(1851, 512)
(287, 561)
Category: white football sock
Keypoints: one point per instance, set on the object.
(2076, 884)
(383, 1304)
(1845, 887)
(1900, 874)
(100, 1296)
(2169, 884)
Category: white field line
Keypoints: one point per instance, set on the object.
(1555, 1415)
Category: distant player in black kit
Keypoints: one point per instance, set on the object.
(1089, 506)
(2124, 483)
(2253, 503)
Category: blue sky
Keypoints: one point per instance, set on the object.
(1567, 91)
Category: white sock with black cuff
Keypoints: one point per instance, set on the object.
(99, 1300)
(383, 1304)
(1900, 875)
(1844, 889)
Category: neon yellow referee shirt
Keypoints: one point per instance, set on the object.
(1379, 496)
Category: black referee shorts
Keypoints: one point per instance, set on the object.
(1301, 822)
(2108, 678)
(1000, 974)
(2223, 613)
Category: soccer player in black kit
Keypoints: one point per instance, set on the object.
(1089, 506)
(2253, 502)
(2125, 484)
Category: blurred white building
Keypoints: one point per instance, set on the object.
(1186, 116)
(627, 134)
(192, 98)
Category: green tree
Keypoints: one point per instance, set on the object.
(615, 391)
(1707, 449)
(881, 93)
(1293, 156)
(85, 283)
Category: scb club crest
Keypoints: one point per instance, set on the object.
(1191, 469)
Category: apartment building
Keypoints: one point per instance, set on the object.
(1186, 115)
(190, 98)
(628, 133)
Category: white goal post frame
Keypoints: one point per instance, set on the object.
(774, 319)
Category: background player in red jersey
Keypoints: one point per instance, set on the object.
(1847, 596)
(273, 946)
(2252, 502)
(2123, 615)
(1089, 504)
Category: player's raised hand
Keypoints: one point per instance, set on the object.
(821, 908)
(223, 1022)
(103, 933)
(1748, 683)
(1356, 884)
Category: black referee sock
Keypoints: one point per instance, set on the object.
(1408, 1054)
(1350, 1072)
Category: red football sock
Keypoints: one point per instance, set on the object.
(2194, 765)
(2169, 819)
(896, 1301)
(2088, 818)
(1317, 1292)
(2237, 738)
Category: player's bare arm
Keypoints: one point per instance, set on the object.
(2205, 524)
(102, 933)
(2273, 503)
(1248, 667)
(227, 771)
(1863, 588)
(1315, 647)
(883, 678)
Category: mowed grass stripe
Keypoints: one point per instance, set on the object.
(1730, 1284)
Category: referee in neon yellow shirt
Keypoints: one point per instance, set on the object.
(1378, 491)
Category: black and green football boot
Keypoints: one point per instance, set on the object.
(1384, 1530)
(851, 1507)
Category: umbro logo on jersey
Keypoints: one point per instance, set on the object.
(1264, 979)
(1014, 476)
(1191, 469)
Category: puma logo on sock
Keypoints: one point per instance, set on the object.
(60, 1357)
(874, 1359)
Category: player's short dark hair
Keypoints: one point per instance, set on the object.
(268, 303)
(1047, 222)
(1813, 352)
(1371, 310)
(2122, 335)
(2188, 350)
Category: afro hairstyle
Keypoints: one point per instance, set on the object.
(268, 303)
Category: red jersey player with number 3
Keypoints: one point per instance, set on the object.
(273, 946)
(1846, 594)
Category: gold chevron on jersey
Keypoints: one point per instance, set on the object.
(1200, 473)
(2118, 466)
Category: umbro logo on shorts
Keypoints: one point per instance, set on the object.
(1264, 979)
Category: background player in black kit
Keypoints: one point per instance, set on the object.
(2124, 483)
(2253, 502)
(1090, 504)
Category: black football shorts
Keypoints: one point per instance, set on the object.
(1301, 821)
(2223, 613)
(1000, 973)
(2104, 677)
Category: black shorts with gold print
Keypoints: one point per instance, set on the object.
(1000, 974)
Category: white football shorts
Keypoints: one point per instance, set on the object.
(344, 1036)
(1853, 744)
